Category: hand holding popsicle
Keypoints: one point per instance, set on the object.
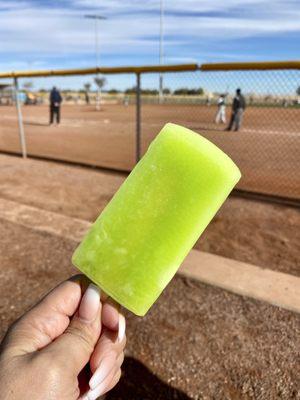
(69, 346)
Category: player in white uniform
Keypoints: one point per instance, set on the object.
(221, 113)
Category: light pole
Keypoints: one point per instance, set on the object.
(161, 50)
(96, 18)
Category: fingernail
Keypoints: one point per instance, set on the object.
(105, 367)
(98, 391)
(90, 303)
(122, 327)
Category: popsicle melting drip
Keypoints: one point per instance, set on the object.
(138, 242)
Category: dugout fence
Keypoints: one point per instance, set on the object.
(138, 101)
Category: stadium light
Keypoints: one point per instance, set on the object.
(161, 49)
(96, 18)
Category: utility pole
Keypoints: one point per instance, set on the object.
(161, 50)
(96, 18)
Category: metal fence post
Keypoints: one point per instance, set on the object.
(138, 118)
(20, 119)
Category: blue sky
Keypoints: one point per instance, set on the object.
(42, 34)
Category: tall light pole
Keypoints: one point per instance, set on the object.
(161, 49)
(96, 18)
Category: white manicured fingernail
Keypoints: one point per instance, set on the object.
(98, 391)
(105, 367)
(90, 303)
(122, 327)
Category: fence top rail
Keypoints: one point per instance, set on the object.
(101, 70)
(239, 66)
(267, 65)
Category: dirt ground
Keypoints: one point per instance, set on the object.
(197, 342)
(259, 233)
(266, 150)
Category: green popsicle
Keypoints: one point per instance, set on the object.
(136, 245)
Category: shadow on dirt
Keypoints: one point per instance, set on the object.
(139, 383)
(30, 123)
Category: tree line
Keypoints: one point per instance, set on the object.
(100, 83)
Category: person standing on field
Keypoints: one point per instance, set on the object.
(221, 113)
(238, 108)
(55, 102)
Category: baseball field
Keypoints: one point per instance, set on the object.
(86, 87)
(266, 148)
(213, 343)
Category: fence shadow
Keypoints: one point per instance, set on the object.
(139, 383)
(36, 123)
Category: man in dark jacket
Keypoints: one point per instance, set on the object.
(238, 108)
(55, 102)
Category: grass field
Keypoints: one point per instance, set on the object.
(266, 149)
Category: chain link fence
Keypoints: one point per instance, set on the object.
(88, 133)
(135, 105)
(267, 145)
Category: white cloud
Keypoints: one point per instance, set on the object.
(259, 7)
(11, 5)
(132, 26)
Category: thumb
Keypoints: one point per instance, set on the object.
(75, 346)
